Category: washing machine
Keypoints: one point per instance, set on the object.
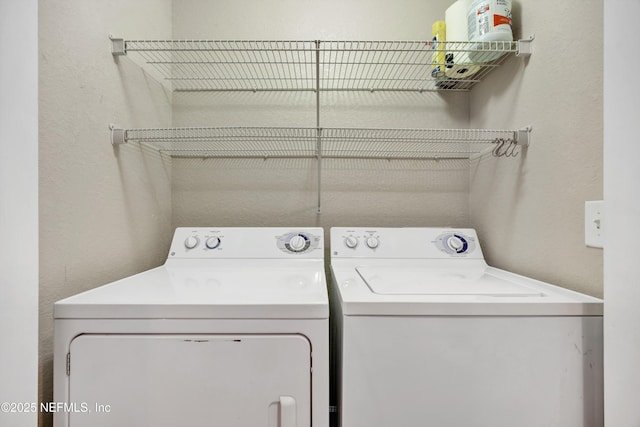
(231, 331)
(427, 334)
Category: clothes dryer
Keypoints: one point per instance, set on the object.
(427, 334)
(231, 331)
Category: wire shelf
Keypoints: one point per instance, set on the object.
(229, 141)
(409, 143)
(276, 142)
(261, 65)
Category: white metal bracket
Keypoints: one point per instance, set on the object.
(523, 136)
(118, 46)
(118, 135)
(525, 46)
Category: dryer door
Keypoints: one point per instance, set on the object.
(189, 380)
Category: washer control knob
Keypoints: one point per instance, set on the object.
(297, 243)
(351, 242)
(455, 243)
(373, 242)
(191, 242)
(212, 242)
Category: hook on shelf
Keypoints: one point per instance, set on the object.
(500, 151)
(506, 147)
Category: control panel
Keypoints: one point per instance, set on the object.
(298, 242)
(438, 243)
(455, 243)
(248, 242)
(367, 238)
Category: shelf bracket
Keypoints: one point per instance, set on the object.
(523, 136)
(525, 46)
(118, 46)
(118, 135)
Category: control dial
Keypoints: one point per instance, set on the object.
(373, 242)
(298, 242)
(351, 242)
(455, 243)
(212, 242)
(191, 242)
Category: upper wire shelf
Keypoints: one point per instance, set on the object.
(263, 65)
(279, 142)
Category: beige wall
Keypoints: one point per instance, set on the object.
(284, 192)
(529, 211)
(105, 213)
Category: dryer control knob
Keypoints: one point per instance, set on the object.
(351, 242)
(191, 242)
(297, 243)
(212, 242)
(373, 242)
(455, 243)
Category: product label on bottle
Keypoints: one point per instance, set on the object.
(501, 20)
(486, 16)
(438, 32)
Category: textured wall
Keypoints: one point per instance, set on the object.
(284, 192)
(529, 211)
(104, 212)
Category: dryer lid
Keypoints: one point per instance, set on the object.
(463, 280)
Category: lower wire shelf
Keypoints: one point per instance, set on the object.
(297, 142)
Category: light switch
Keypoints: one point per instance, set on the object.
(594, 224)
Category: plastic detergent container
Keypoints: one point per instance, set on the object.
(458, 63)
(489, 21)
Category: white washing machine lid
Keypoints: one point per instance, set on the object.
(464, 280)
(403, 287)
(209, 289)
